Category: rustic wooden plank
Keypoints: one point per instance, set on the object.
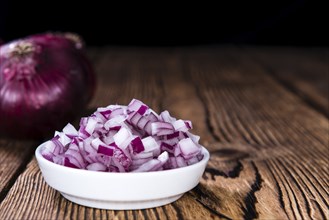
(122, 77)
(268, 148)
(179, 94)
(304, 72)
(14, 156)
(277, 147)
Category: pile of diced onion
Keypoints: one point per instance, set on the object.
(129, 138)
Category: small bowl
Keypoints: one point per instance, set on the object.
(121, 191)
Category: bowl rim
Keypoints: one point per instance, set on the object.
(52, 165)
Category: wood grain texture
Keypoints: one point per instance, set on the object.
(14, 156)
(265, 129)
(269, 149)
(306, 74)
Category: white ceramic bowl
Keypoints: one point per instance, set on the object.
(121, 191)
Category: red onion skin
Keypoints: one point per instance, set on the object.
(38, 98)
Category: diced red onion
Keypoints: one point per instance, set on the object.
(181, 162)
(97, 167)
(137, 106)
(152, 116)
(104, 112)
(130, 138)
(116, 111)
(70, 131)
(122, 138)
(188, 148)
(68, 163)
(150, 145)
(148, 166)
(142, 155)
(139, 162)
(137, 145)
(165, 116)
(105, 150)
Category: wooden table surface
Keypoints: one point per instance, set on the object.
(261, 112)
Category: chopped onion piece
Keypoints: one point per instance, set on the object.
(137, 145)
(105, 150)
(137, 106)
(70, 130)
(97, 167)
(130, 138)
(122, 138)
(91, 125)
(149, 144)
(188, 148)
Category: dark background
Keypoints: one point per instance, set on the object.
(292, 23)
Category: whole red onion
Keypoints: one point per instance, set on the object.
(45, 81)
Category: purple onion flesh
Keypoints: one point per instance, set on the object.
(117, 139)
